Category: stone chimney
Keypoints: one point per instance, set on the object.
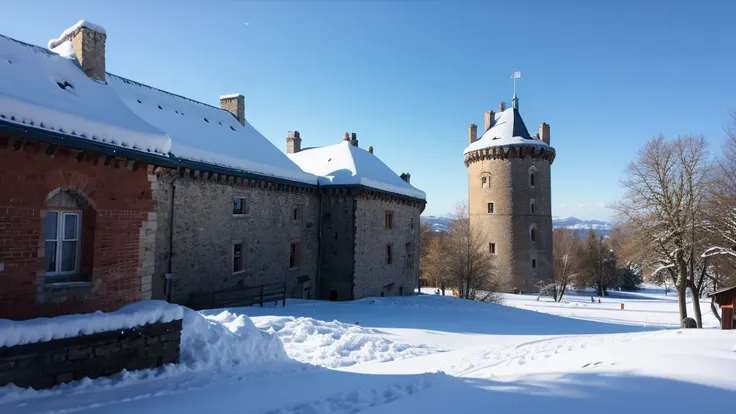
(501, 106)
(544, 132)
(370, 149)
(472, 133)
(235, 104)
(293, 142)
(346, 137)
(406, 177)
(88, 41)
(489, 119)
(354, 139)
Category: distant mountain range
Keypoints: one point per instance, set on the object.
(581, 227)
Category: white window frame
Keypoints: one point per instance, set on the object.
(60, 239)
(244, 203)
(242, 258)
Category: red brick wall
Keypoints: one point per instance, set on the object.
(121, 199)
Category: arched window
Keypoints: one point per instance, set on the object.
(533, 232)
(64, 226)
(532, 176)
(532, 206)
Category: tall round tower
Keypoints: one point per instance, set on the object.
(509, 195)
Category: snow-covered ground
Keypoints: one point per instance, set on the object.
(646, 307)
(424, 354)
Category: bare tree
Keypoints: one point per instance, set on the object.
(434, 263)
(468, 262)
(565, 245)
(663, 206)
(596, 263)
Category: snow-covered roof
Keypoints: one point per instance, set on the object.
(346, 164)
(207, 134)
(43, 90)
(508, 129)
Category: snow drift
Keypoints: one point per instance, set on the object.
(336, 344)
(226, 340)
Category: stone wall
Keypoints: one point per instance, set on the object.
(373, 275)
(45, 364)
(205, 229)
(508, 226)
(338, 245)
(115, 202)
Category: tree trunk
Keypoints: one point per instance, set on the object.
(696, 306)
(681, 287)
(714, 309)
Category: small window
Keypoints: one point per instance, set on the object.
(490, 208)
(531, 206)
(238, 262)
(239, 207)
(61, 232)
(485, 180)
(389, 224)
(532, 176)
(409, 256)
(296, 213)
(294, 256)
(401, 291)
(492, 248)
(389, 254)
(411, 224)
(533, 234)
(534, 263)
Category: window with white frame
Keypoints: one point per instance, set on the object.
(62, 230)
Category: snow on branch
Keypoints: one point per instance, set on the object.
(715, 251)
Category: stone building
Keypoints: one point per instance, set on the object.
(509, 198)
(370, 221)
(112, 191)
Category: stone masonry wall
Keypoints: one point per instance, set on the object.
(205, 230)
(337, 261)
(373, 276)
(509, 225)
(45, 364)
(116, 233)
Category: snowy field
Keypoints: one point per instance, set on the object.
(426, 354)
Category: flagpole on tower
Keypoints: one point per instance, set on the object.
(515, 102)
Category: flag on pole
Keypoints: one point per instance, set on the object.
(516, 75)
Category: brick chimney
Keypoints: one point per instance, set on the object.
(501, 106)
(544, 132)
(489, 119)
(406, 177)
(354, 139)
(235, 104)
(370, 149)
(293, 142)
(472, 133)
(88, 41)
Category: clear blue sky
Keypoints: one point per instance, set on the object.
(410, 76)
